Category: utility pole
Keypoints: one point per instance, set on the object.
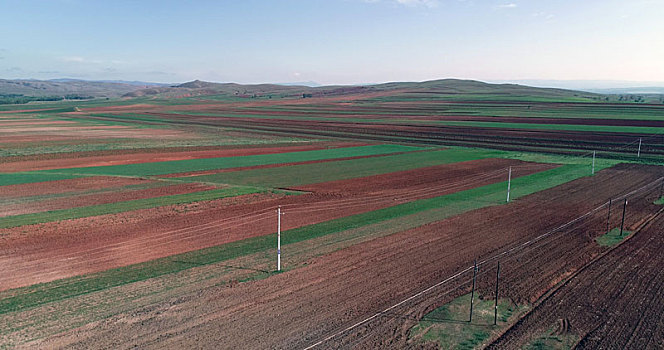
(638, 155)
(594, 162)
(472, 292)
(622, 224)
(279, 238)
(495, 308)
(509, 183)
(608, 216)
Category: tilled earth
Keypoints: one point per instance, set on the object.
(297, 308)
(73, 247)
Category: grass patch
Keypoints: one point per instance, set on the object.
(612, 238)
(448, 325)
(660, 201)
(118, 207)
(553, 339)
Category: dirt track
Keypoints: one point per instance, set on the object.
(296, 308)
(73, 247)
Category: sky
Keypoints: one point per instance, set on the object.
(333, 41)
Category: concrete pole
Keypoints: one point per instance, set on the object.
(279, 238)
(638, 155)
(509, 183)
(594, 162)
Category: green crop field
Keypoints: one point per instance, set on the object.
(297, 175)
(178, 166)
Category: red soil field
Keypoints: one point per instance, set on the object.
(112, 196)
(174, 149)
(32, 122)
(296, 308)
(219, 171)
(74, 247)
(415, 179)
(70, 185)
(628, 280)
(134, 158)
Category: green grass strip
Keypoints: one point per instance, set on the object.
(297, 175)
(494, 194)
(178, 166)
(7, 179)
(118, 207)
(187, 165)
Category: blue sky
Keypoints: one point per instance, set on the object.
(333, 41)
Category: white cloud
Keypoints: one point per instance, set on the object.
(76, 59)
(508, 6)
(426, 3)
(410, 3)
(79, 59)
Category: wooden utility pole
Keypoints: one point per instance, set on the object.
(608, 216)
(495, 307)
(509, 183)
(622, 223)
(472, 292)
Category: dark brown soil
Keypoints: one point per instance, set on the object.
(616, 302)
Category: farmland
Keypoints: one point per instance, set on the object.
(151, 221)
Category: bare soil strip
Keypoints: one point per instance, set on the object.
(82, 200)
(69, 185)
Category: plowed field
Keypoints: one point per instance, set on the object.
(73, 247)
(300, 307)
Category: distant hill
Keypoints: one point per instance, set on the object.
(63, 87)
(442, 86)
(631, 90)
(302, 83)
(75, 88)
(202, 88)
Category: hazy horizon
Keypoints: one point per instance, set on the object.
(335, 42)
